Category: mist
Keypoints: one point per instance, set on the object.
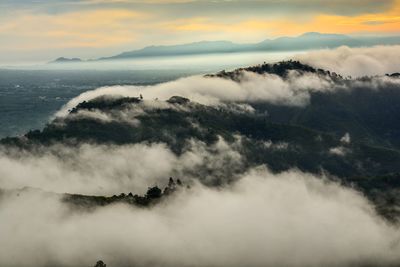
(356, 62)
(129, 168)
(290, 219)
(254, 217)
(257, 218)
(294, 91)
(203, 63)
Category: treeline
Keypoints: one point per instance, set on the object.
(153, 195)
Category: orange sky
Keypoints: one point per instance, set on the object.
(387, 22)
(96, 28)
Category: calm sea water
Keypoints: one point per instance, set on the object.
(30, 95)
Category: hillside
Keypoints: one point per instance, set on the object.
(352, 135)
(306, 41)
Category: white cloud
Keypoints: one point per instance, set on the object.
(294, 91)
(290, 219)
(367, 61)
(275, 146)
(346, 139)
(108, 170)
(339, 151)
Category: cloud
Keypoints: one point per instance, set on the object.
(294, 91)
(346, 139)
(108, 170)
(92, 29)
(75, 29)
(377, 60)
(290, 219)
(259, 218)
(275, 146)
(206, 6)
(339, 151)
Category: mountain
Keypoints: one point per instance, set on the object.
(306, 41)
(351, 135)
(374, 118)
(311, 40)
(309, 138)
(66, 60)
(373, 123)
(153, 196)
(204, 47)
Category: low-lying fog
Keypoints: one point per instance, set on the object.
(201, 63)
(291, 219)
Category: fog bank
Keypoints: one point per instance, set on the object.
(356, 62)
(107, 170)
(294, 90)
(290, 219)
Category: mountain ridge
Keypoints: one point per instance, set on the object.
(305, 41)
(353, 142)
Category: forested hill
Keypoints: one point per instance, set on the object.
(353, 134)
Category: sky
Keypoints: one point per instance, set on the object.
(40, 30)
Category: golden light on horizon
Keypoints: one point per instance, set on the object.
(386, 23)
(102, 26)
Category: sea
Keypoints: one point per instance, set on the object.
(30, 94)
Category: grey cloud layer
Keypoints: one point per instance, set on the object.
(201, 7)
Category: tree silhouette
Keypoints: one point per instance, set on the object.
(154, 192)
(100, 264)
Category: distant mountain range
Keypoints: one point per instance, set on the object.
(307, 41)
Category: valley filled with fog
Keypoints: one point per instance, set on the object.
(286, 159)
